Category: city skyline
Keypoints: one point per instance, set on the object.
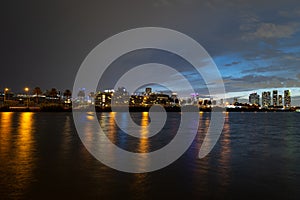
(160, 99)
(266, 98)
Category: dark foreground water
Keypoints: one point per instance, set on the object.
(257, 157)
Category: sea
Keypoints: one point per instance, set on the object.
(256, 157)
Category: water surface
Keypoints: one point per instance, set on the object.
(257, 156)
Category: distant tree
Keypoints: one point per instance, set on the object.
(53, 92)
(37, 91)
(67, 94)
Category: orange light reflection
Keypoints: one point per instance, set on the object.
(25, 147)
(5, 131)
(144, 140)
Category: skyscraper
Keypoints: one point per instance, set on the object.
(287, 98)
(148, 90)
(254, 98)
(275, 97)
(280, 100)
(235, 100)
(266, 99)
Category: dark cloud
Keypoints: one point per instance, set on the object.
(259, 78)
(44, 43)
(267, 31)
(231, 64)
(264, 69)
(291, 13)
(252, 82)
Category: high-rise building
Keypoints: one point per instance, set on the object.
(254, 98)
(174, 98)
(148, 90)
(266, 99)
(280, 100)
(120, 96)
(222, 102)
(235, 100)
(287, 98)
(275, 97)
(103, 99)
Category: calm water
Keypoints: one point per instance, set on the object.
(257, 156)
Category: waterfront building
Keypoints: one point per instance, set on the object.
(103, 99)
(266, 99)
(280, 100)
(174, 98)
(120, 97)
(287, 98)
(254, 98)
(148, 91)
(275, 98)
(162, 99)
(136, 100)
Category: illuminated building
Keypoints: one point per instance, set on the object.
(254, 98)
(275, 97)
(136, 100)
(287, 98)
(174, 98)
(103, 99)
(121, 96)
(207, 102)
(266, 99)
(280, 100)
(148, 90)
(162, 99)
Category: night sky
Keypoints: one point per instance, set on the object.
(254, 43)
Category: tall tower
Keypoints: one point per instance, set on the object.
(280, 100)
(275, 97)
(287, 98)
(148, 90)
(266, 99)
(235, 100)
(254, 98)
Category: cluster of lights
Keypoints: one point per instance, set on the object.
(26, 89)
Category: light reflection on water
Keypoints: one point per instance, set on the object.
(257, 155)
(224, 159)
(18, 152)
(144, 140)
(6, 129)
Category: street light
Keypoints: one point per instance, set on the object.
(27, 90)
(5, 92)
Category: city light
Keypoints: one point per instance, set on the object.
(27, 90)
(5, 92)
(273, 100)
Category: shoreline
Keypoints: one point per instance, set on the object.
(58, 108)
